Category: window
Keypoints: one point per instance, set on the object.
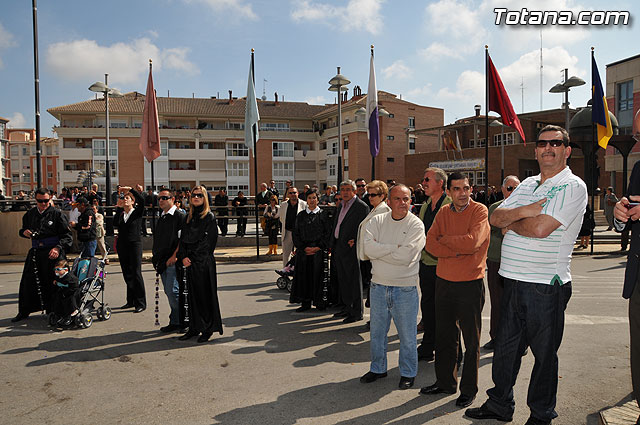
(164, 146)
(100, 164)
(26, 177)
(346, 143)
(211, 145)
(117, 123)
(334, 148)
(390, 159)
(508, 137)
(282, 149)
(332, 169)
(323, 146)
(98, 148)
(2, 126)
(233, 189)
(412, 122)
(25, 151)
(412, 144)
(15, 178)
(49, 161)
(237, 149)
(182, 165)
(480, 143)
(274, 126)
(625, 96)
(346, 165)
(49, 175)
(322, 165)
(283, 170)
(15, 150)
(479, 178)
(390, 137)
(238, 169)
(180, 144)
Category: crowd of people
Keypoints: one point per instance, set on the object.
(407, 261)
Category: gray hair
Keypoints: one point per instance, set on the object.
(348, 182)
(506, 179)
(441, 176)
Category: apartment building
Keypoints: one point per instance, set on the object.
(202, 141)
(22, 161)
(4, 157)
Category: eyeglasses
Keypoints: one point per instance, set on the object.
(197, 195)
(554, 143)
(59, 269)
(373, 195)
(42, 201)
(164, 198)
(361, 185)
(426, 179)
(510, 188)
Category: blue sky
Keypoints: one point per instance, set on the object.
(430, 52)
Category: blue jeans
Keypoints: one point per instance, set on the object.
(171, 288)
(401, 304)
(531, 314)
(88, 249)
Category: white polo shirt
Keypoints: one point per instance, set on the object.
(545, 260)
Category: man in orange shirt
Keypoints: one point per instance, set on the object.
(459, 238)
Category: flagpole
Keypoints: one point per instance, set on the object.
(486, 126)
(593, 150)
(255, 166)
(373, 158)
(153, 186)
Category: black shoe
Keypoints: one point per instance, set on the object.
(302, 308)
(465, 400)
(435, 389)
(406, 383)
(489, 345)
(367, 326)
(204, 337)
(19, 317)
(170, 328)
(535, 421)
(483, 413)
(127, 305)
(190, 334)
(429, 357)
(352, 319)
(139, 309)
(370, 377)
(280, 272)
(340, 315)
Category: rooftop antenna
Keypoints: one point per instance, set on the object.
(522, 93)
(264, 89)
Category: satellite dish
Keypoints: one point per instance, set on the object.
(263, 97)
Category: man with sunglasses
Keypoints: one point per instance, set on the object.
(495, 282)
(48, 229)
(165, 247)
(540, 222)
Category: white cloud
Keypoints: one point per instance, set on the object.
(316, 100)
(454, 19)
(356, 15)
(237, 7)
(438, 50)
(397, 70)
(17, 120)
(470, 88)
(6, 41)
(126, 63)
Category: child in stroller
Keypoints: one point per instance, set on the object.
(65, 297)
(286, 274)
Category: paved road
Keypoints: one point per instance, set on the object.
(273, 366)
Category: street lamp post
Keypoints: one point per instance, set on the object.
(100, 87)
(338, 84)
(564, 87)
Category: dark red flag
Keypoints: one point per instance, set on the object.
(499, 100)
(150, 134)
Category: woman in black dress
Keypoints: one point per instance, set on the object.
(129, 221)
(197, 244)
(311, 237)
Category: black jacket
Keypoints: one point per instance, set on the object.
(131, 230)
(633, 259)
(86, 219)
(165, 238)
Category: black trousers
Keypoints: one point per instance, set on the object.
(458, 306)
(223, 224)
(495, 282)
(634, 332)
(349, 282)
(130, 257)
(428, 308)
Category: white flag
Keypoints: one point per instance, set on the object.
(251, 115)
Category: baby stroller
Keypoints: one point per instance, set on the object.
(91, 276)
(285, 281)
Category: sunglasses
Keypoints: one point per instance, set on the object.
(373, 195)
(42, 201)
(164, 198)
(59, 269)
(361, 185)
(555, 143)
(510, 188)
(426, 179)
(197, 195)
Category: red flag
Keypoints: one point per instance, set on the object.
(150, 135)
(499, 100)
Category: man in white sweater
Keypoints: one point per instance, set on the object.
(393, 241)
